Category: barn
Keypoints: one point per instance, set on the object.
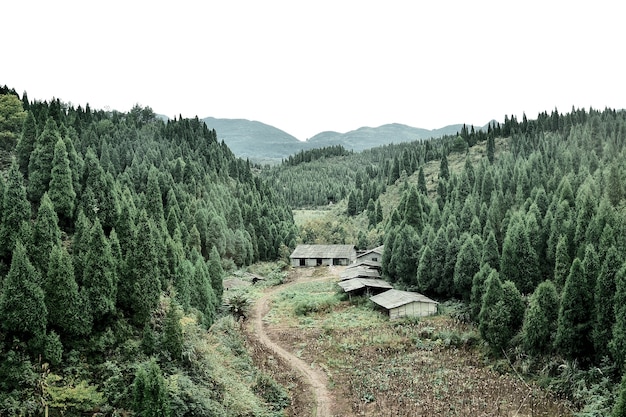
(323, 255)
(405, 304)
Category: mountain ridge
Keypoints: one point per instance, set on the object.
(263, 143)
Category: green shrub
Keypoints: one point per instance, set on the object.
(273, 393)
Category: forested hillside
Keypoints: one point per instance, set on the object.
(115, 231)
(529, 233)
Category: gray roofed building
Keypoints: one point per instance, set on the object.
(365, 285)
(405, 304)
(318, 255)
(359, 273)
(375, 254)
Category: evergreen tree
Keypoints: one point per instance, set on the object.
(413, 210)
(478, 289)
(425, 279)
(515, 303)
(605, 288)
(519, 261)
(16, 209)
(46, 234)
(40, 164)
(540, 320)
(144, 278)
(444, 171)
(216, 272)
(421, 182)
(63, 302)
(62, 191)
(617, 345)
(574, 322)
(466, 266)
(23, 310)
(99, 280)
(562, 262)
(490, 254)
(495, 316)
(173, 332)
(491, 148)
(154, 199)
(150, 398)
(619, 409)
(202, 295)
(26, 143)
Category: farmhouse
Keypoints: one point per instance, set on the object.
(357, 286)
(318, 255)
(366, 264)
(405, 304)
(375, 254)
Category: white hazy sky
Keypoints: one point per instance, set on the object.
(310, 66)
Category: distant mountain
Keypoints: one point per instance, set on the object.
(263, 143)
(370, 137)
(255, 140)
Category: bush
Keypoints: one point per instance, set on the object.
(273, 393)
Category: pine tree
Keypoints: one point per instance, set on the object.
(63, 302)
(150, 398)
(202, 295)
(619, 409)
(421, 182)
(495, 316)
(154, 199)
(540, 320)
(23, 310)
(605, 288)
(491, 148)
(562, 262)
(478, 289)
(444, 171)
(216, 272)
(144, 278)
(16, 209)
(617, 345)
(515, 303)
(574, 322)
(466, 266)
(26, 143)
(413, 210)
(99, 280)
(173, 332)
(46, 234)
(40, 164)
(62, 191)
(490, 254)
(519, 261)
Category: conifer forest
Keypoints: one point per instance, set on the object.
(118, 229)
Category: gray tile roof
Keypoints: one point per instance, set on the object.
(378, 249)
(360, 273)
(324, 251)
(395, 298)
(359, 283)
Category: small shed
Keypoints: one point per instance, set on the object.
(319, 255)
(357, 286)
(375, 254)
(405, 304)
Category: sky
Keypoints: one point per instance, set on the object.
(312, 66)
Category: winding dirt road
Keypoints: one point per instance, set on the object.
(315, 378)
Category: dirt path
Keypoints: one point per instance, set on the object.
(315, 378)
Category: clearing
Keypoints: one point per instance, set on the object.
(341, 358)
